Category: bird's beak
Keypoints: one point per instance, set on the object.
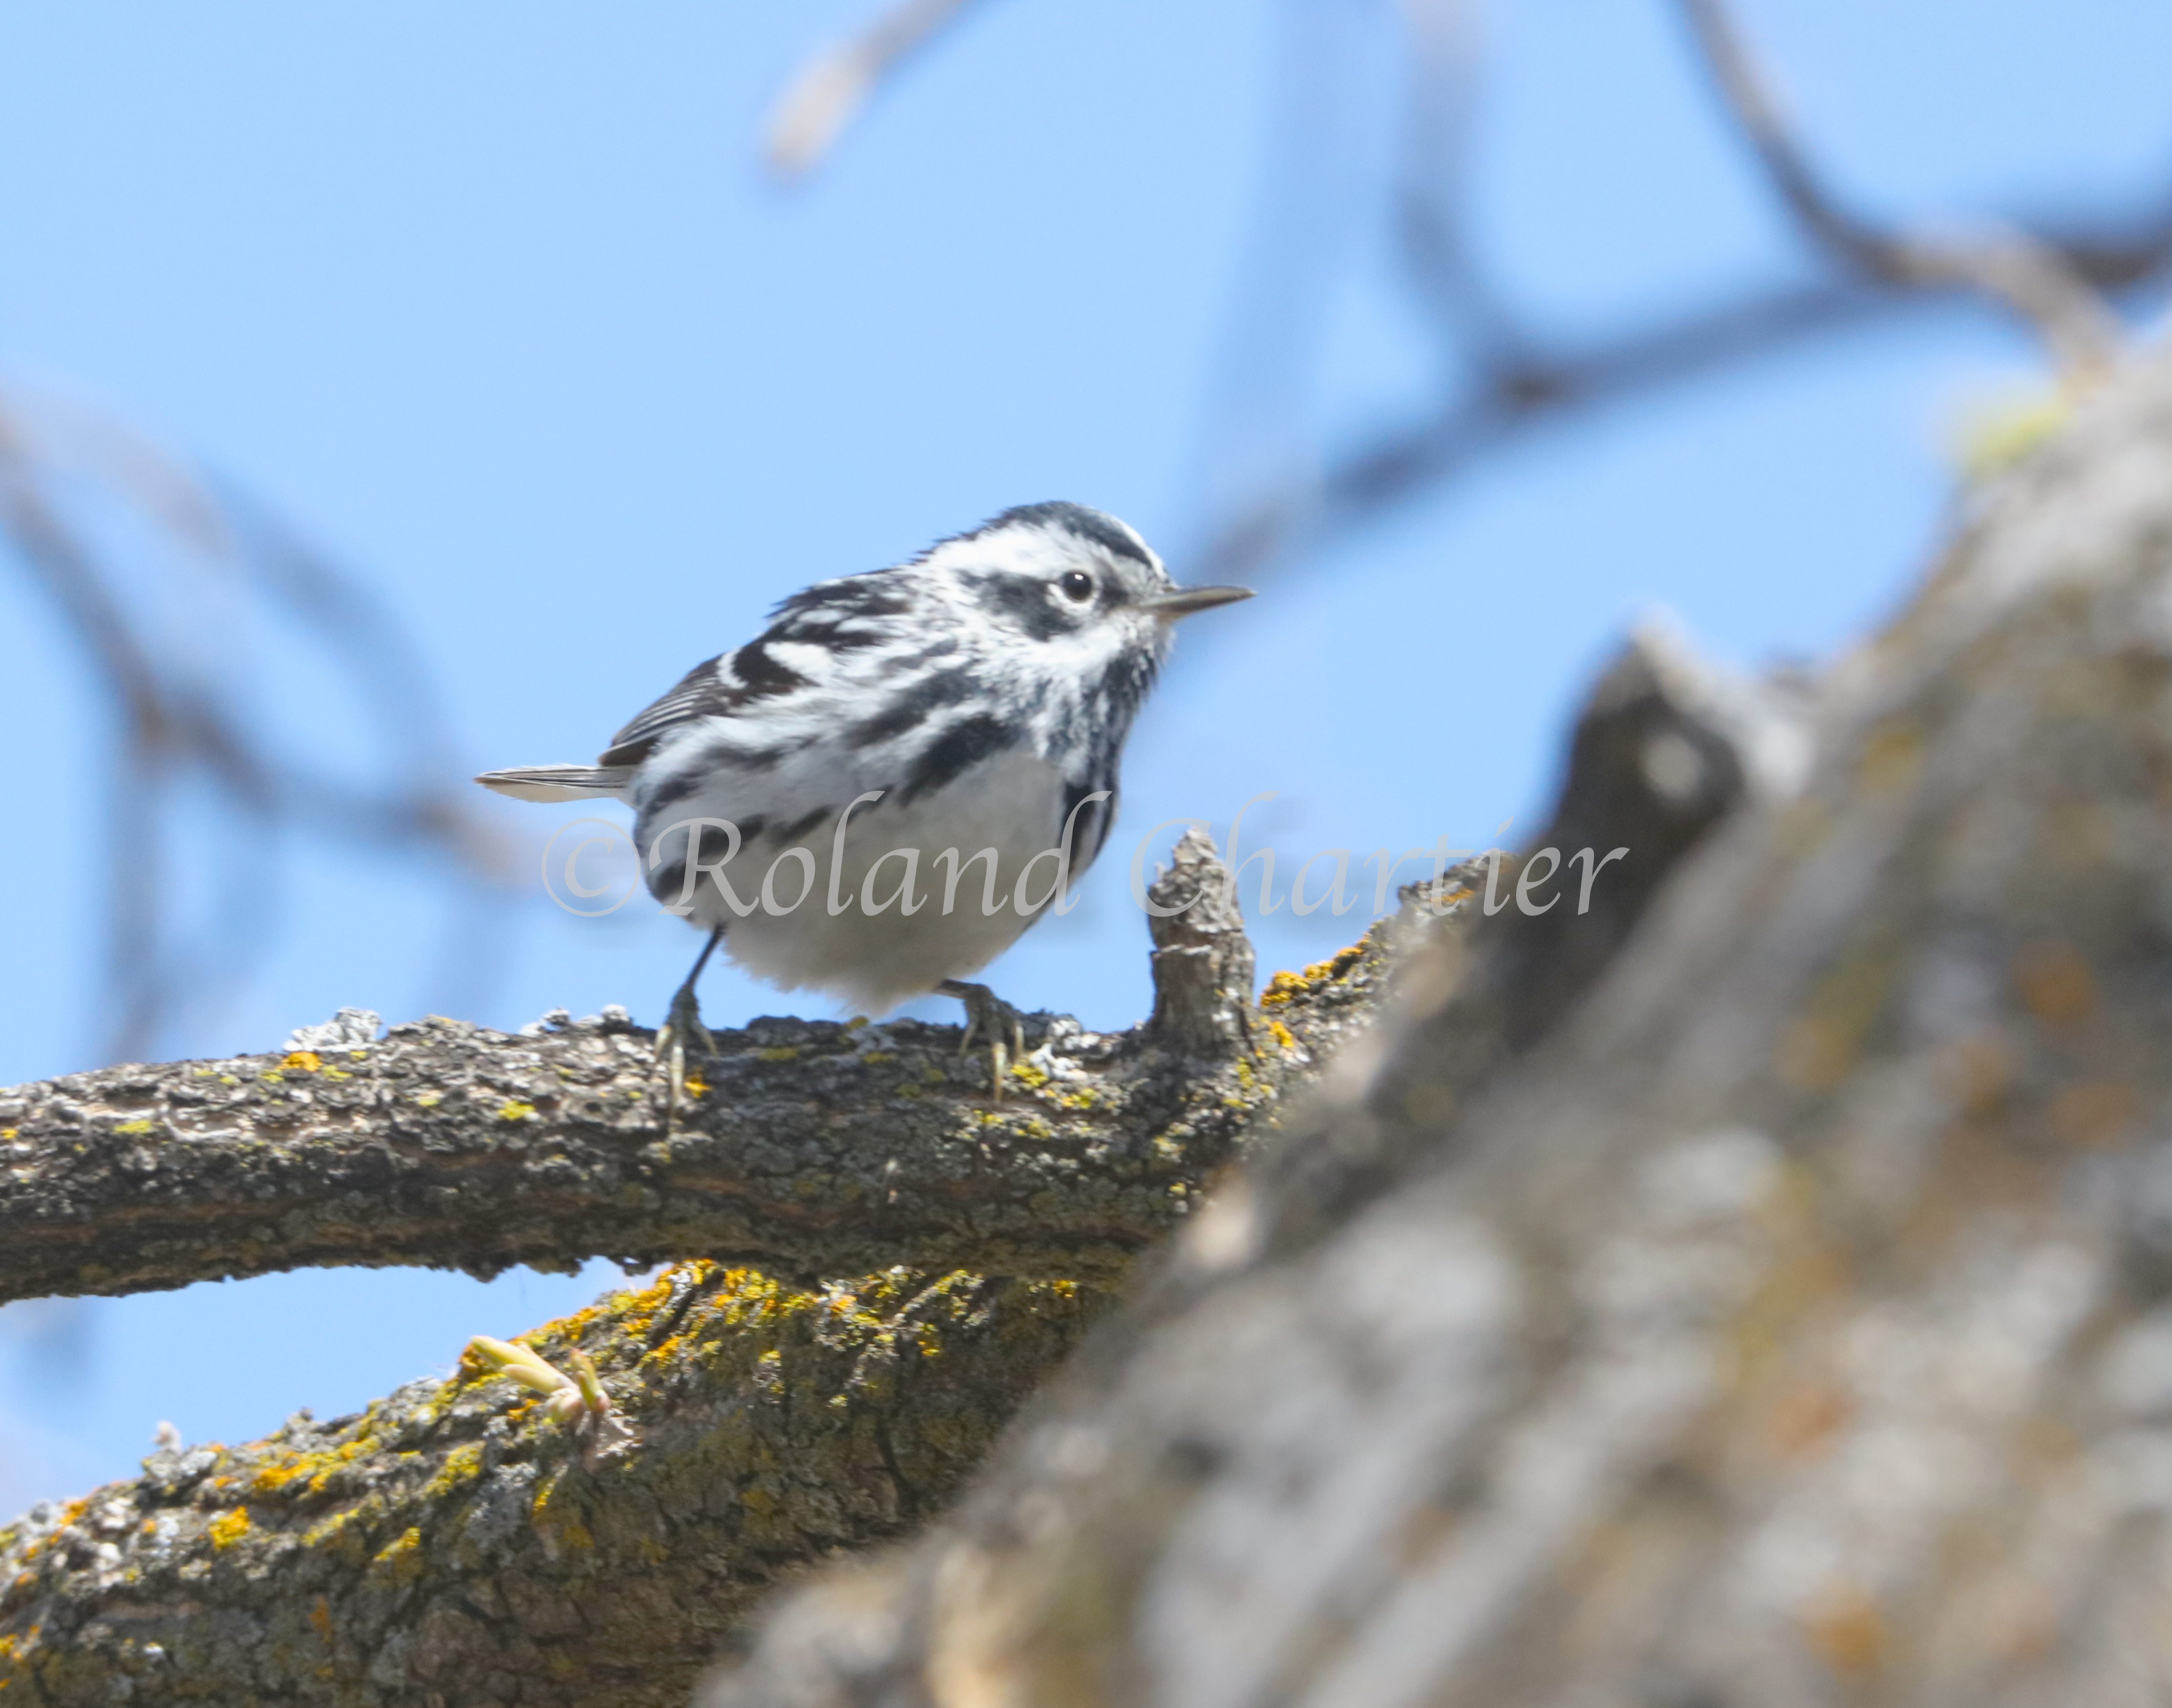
(1187, 600)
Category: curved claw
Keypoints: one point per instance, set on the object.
(988, 1015)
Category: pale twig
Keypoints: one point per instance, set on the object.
(1509, 384)
(831, 89)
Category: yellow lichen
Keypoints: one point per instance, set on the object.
(303, 1061)
(637, 1310)
(1284, 987)
(463, 1465)
(1992, 432)
(429, 1100)
(332, 1529)
(135, 1127)
(229, 1528)
(402, 1556)
(512, 1109)
(271, 1478)
(783, 1052)
(318, 1468)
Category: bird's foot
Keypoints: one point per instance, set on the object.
(681, 1026)
(988, 1016)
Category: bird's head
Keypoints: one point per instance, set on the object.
(1074, 580)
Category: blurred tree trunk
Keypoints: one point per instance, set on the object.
(1787, 1324)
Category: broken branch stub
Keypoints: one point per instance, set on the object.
(1202, 960)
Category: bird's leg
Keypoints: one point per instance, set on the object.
(988, 1015)
(683, 1022)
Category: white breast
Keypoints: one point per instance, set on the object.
(1013, 804)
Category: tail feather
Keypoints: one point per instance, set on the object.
(558, 782)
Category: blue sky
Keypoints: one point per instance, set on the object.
(493, 302)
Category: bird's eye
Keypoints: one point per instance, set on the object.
(1077, 584)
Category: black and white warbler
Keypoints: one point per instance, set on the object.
(890, 727)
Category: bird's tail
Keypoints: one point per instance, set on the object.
(558, 782)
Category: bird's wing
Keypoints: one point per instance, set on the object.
(797, 654)
(702, 692)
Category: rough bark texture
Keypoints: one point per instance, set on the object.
(452, 1544)
(1788, 1324)
(813, 1149)
(1200, 954)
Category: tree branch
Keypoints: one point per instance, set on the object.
(1504, 381)
(829, 92)
(814, 1150)
(450, 1546)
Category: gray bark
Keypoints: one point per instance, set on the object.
(452, 1544)
(1787, 1324)
(814, 1150)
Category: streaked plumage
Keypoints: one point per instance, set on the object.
(985, 688)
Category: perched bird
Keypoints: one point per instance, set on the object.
(875, 796)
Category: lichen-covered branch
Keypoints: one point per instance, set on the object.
(457, 1543)
(452, 1545)
(1790, 1325)
(813, 1148)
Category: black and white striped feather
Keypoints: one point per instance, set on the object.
(986, 689)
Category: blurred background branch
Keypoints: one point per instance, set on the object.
(166, 583)
(2037, 278)
(1500, 375)
(835, 86)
